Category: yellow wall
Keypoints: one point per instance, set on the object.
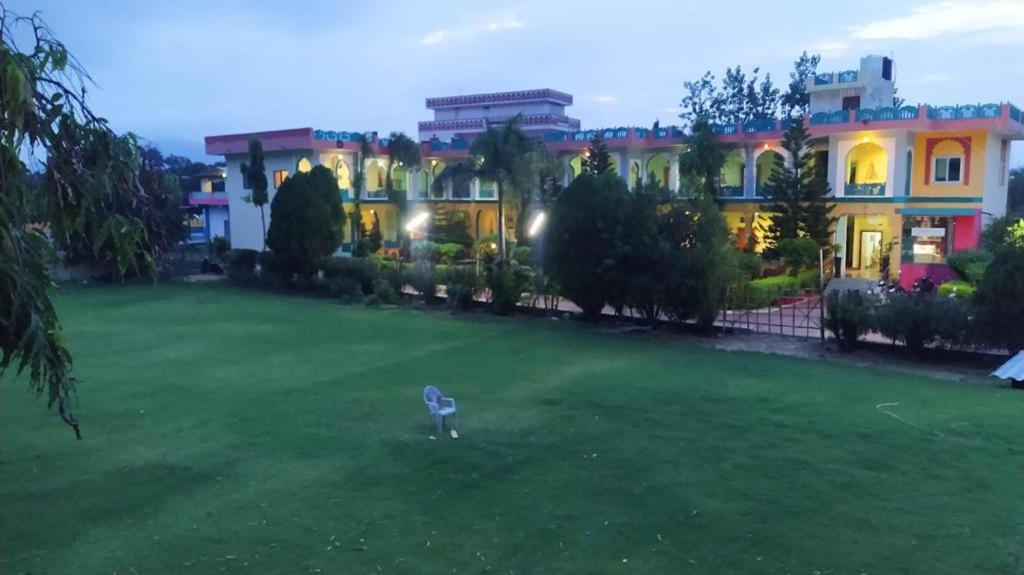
(949, 148)
(871, 161)
(732, 171)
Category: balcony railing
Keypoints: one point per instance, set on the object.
(827, 78)
(967, 112)
(761, 190)
(865, 190)
(887, 114)
(730, 191)
(837, 117)
(205, 198)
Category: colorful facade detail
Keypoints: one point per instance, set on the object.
(911, 183)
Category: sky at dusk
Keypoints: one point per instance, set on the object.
(174, 72)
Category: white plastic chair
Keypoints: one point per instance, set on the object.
(440, 407)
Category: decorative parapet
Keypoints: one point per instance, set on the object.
(966, 112)
(730, 191)
(340, 136)
(449, 125)
(823, 79)
(837, 117)
(847, 76)
(887, 114)
(546, 94)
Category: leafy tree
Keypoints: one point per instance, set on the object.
(762, 99)
(451, 226)
(402, 151)
(585, 229)
(373, 236)
(596, 158)
(796, 101)
(700, 164)
(255, 175)
(501, 155)
(548, 170)
(999, 301)
(364, 151)
(702, 100)
(1015, 191)
(639, 254)
(44, 110)
(798, 192)
(307, 223)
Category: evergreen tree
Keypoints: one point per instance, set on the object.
(307, 224)
(798, 190)
(597, 160)
(255, 175)
(700, 165)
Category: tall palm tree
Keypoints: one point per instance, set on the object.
(501, 154)
(403, 151)
(363, 153)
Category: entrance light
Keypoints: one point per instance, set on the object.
(416, 221)
(536, 224)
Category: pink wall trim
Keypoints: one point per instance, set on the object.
(967, 232)
(909, 273)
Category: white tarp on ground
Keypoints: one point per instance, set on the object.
(1013, 369)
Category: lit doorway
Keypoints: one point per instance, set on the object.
(870, 250)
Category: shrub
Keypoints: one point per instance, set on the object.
(523, 255)
(970, 265)
(958, 289)
(809, 278)
(426, 251)
(219, 246)
(763, 292)
(451, 252)
(849, 315)
(584, 228)
(385, 293)
(799, 253)
(918, 320)
(507, 283)
(424, 280)
(999, 301)
(307, 222)
(462, 285)
(241, 266)
(749, 265)
(363, 271)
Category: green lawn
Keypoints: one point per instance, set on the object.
(241, 432)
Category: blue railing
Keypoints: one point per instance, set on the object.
(556, 137)
(837, 117)
(761, 190)
(865, 190)
(341, 136)
(724, 129)
(887, 113)
(376, 195)
(967, 112)
(823, 79)
(847, 76)
(439, 146)
(460, 144)
(667, 132)
(730, 191)
(756, 126)
(1016, 114)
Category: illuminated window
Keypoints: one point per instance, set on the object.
(947, 168)
(279, 177)
(926, 239)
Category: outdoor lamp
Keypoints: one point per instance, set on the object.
(416, 221)
(536, 224)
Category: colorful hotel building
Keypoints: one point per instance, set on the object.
(918, 182)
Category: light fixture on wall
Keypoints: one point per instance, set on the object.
(866, 139)
(416, 221)
(536, 224)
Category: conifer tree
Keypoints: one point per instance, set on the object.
(597, 160)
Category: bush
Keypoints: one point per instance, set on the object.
(763, 292)
(426, 251)
(345, 289)
(507, 284)
(307, 222)
(749, 265)
(970, 265)
(450, 252)
(363, 271)
(462, 285)
(918, 320)
(999, 301)
(219, 246)
(384, 293)
(958, 289)
(809, 278)
(523, 255)
(799, 253)
(849, 315)
(424, 280)
(241, 266)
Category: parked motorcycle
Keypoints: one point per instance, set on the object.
(924, 284)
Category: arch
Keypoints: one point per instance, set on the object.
(867, 166)
(575, 166)
(374, 176)
(435, 170)
(658, 166)
(764, 166)
(343, 174)
(423, 178)
(731, 180)
(634, 174)
(303, 165)
(399, 175)
(487, 223)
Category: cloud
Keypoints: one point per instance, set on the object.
(445, 35)
(957, 17)
(933, 78)
(603, 98)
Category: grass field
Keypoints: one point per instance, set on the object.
(240, 432)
